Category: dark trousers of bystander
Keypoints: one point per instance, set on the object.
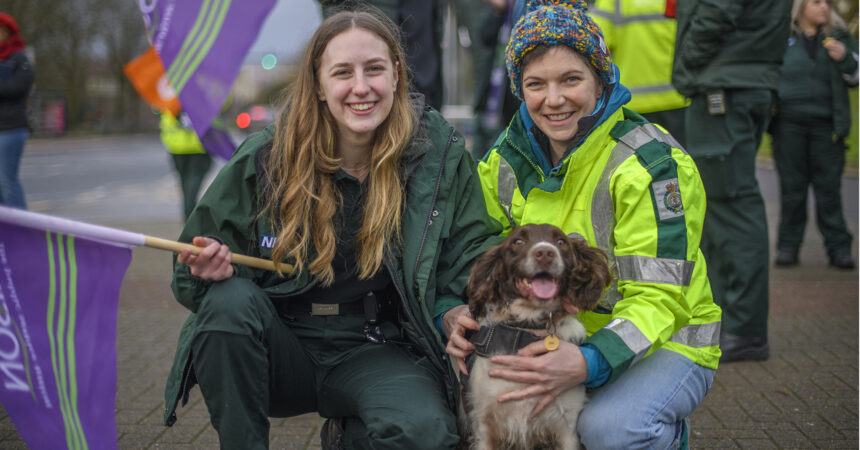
(192, 169)
(735, 234)
(805, 153)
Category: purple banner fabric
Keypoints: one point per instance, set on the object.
(202, 44)
(59, 296)
(217, 142)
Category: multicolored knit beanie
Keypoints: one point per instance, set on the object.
(551, 22)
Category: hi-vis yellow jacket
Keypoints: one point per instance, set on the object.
(641, 40)
(631, 191)
(178, 139)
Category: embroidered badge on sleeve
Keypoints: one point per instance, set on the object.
(667, 195)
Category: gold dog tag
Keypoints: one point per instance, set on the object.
(550, 343)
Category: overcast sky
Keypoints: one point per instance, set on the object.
(287, 29)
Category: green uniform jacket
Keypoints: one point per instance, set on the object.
(630, 190)
(793, 88)
(735, 44)
(444, 227)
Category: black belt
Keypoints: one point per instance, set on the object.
(375, 311)
(323, 309)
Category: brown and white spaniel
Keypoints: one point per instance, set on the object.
(517, 291)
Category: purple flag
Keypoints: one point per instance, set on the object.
(202, 44)
(217, 142)
(58, 306)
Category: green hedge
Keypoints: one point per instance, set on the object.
(853, 139)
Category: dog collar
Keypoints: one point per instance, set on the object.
(502, 339)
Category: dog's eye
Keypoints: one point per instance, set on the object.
(519, 241)
(561, 242)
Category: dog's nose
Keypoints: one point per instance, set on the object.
(544, 255)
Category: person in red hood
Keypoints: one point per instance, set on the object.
(16, 79)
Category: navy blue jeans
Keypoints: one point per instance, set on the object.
(806, 154)
(11, 149)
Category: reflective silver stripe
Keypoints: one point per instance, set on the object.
(652, 89)
(507, 184)
(636, 137)
(648, 269)
(669, 139)
(644, 134)
(603, 13)
(603, 219)
(662, 136)
(639, 18)
(698, 336)
(613, 17)
(634, 339)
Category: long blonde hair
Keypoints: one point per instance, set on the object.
(301, 198)
(834, 21)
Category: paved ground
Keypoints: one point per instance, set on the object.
(805, 396)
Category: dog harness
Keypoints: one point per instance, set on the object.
(499, 339)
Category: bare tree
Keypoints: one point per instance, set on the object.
(72, 40)
(123, 35)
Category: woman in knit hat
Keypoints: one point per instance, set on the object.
(574, 157)
(16, 78)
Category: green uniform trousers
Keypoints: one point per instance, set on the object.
(192, 170)
(253, 364)
(735, 235)
(806, 154)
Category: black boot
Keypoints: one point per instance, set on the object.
(331, 434)
(737, 348)
(786, 258)
(842, 260)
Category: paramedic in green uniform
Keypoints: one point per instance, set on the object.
(375, 202)
(727, 61)
(189, 158)
(810, 129)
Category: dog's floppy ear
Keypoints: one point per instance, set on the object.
(485, 279)
(589, 275)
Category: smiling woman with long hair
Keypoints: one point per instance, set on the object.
(373, 200)
(302, 196)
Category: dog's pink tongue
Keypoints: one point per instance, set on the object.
(544, 288)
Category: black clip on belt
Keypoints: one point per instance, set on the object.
(372, 330)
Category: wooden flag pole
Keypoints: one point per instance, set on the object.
(250, 261)
(120, 237)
